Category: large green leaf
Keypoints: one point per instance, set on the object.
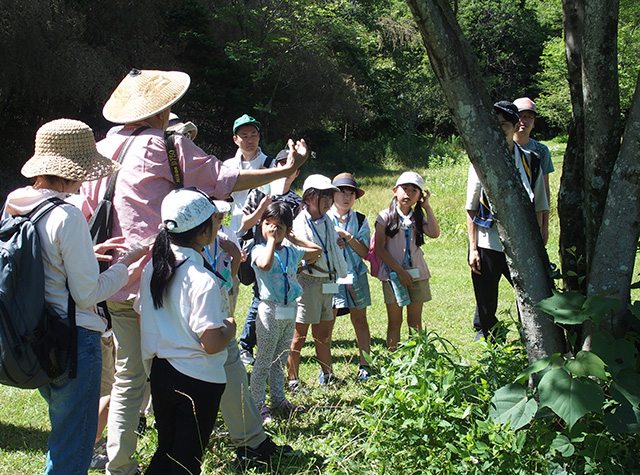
(623, 420)
(563, 445)
(626, 387)
(597, 307)
(564, 307)
(510, 404)
(538, 366)
(617, 354)
(634, 308)
(586, 364)
(570, 398)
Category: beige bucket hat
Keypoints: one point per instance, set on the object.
(67, 148)
(144, 93)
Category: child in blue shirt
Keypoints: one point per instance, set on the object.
(276, 267)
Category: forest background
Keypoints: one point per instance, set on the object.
(352, 77)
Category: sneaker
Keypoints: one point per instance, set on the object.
(479, 338)
(288, 408)
(142, 426)
(246, 357)
(98, 462)
(294, 387)
(262, 453)
(327, 379)
(266, 415)
(100, 447)
(363, 374)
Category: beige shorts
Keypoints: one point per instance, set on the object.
(108, 364)
(313, 306)
(419, 292)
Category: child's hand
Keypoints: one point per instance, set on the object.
(271, 231)
(425, 199)
(405, 278)
(264, 202)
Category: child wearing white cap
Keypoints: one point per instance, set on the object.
(318, 279)
(399, 234)
(184, 331)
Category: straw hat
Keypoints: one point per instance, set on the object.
(347, 179)
(142, 94)
(66, 148)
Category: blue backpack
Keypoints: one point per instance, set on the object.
(36, 344)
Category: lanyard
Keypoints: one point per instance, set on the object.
(407, 254)
(284, 272)
(214, 261)
(324, 247)
(346, 227)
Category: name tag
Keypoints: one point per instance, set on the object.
(285, 312)
(330, 288)
(348, 280)
(414, 272)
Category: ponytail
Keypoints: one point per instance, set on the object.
(164, 266)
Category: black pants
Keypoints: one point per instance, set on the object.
(185, 410)
(493, 265)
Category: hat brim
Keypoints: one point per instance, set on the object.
(96, 166)
(141, 96)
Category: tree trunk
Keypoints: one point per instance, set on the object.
(572, 244)
(457, 71)
(615, 249)
(601, 110)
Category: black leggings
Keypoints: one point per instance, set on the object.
(185, 409)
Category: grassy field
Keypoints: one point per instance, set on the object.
(23, 416)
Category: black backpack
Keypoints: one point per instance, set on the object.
(36, 344)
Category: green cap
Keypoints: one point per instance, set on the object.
(245, 120)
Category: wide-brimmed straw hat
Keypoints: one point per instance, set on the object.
(67, 148)
(144, 93)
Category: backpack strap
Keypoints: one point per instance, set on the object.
(360, 217)
(73, 350)
(174, 163)
(111, 183)
(267, 162)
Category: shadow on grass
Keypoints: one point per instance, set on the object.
(17, 438)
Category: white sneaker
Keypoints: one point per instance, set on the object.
(246, 357)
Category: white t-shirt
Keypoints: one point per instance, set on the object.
(191, 305)
(240, 197)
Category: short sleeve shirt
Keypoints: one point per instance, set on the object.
(271, 284)
(355, 263)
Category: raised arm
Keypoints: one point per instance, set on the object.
(254, 178)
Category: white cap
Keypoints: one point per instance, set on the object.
(410, 178)
(222, 206)
(318, 182)
(185, 208)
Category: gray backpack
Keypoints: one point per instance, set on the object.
(36, 344)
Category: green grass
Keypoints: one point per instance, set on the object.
(316, 434)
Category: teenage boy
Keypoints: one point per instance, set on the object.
(527, 112)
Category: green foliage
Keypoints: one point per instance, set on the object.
(574, 389)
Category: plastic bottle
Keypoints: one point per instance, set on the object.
(399, 291)
(355, 289)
